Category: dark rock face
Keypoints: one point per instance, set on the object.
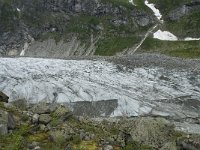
(3, 97)
(183, 10)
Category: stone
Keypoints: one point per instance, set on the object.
(42, 127)
(44, 118)
(3, 97)
(41, 108)
(37, 148)
(61, 111)
(151, 131)
(33, 145)
(13, 52)
(57, 135)
(108, 147)
(3, 129)
(68, 147)
(35, 118)
(3, 122)
(11, 121)
(169, 146)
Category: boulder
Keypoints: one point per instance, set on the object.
(3, 122)
(44, 118)
(35, 118)
(58, 136)
(3, 97)
(169, 145)
(11, 121)
(61, 111)
(151, 131)
(41, 108)
(108, 147)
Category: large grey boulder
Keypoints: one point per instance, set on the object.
(3, 97)
(35, 118)
(44, 118)
(11, 121)
(41, 108)
(3, 122)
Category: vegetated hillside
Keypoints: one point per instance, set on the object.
(103, 23)
(87, 27)
(182, 17)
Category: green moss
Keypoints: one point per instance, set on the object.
(76, 139)
(38, 137)
(56, 122)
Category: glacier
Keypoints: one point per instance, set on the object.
(139, 91)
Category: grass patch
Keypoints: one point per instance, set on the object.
(112, 45)
(86, 145)
(38, 137)
(184, 49)
(15, 141)
(187, 26)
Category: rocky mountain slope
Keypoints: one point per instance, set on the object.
(62, 28)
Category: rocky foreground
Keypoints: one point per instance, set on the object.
(46, 126)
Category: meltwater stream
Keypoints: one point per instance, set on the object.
(139, 91)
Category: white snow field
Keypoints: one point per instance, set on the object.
(36, 79)
(191, 39)
(154, 9)
(164, 35)
(131, 1)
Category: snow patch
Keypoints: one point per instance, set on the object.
(191, 39)
(154, 9)
(164, 35)
(26, 45)
(18, 10)
(131, 1)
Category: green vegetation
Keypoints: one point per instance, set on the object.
(83, 25)
(187, 26)
(167, 5)
(112, 45)
(7, 15)
(15, 141)
(184, 49)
